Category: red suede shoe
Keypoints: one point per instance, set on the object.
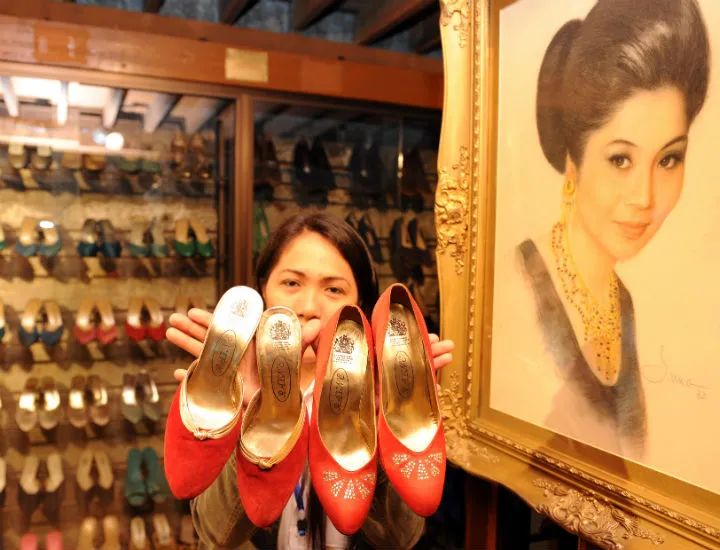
(84, 336)
(134, 327)
(203, 423)
(343, 433)
(156, 325)
(411, 440)
(274, 434)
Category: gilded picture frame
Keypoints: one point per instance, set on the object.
(606, 498)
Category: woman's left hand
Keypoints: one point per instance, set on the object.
(441, 351)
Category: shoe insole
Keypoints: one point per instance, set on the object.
(346, 409)
(212, 386)
(409, 397)
(278, 344)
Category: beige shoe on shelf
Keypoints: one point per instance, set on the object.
(88, 533)
(138, 536)
(111, 533)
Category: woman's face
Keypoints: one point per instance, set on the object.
(632, 172)
(312, 278)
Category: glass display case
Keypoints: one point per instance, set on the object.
(376, 168)
(114, 216)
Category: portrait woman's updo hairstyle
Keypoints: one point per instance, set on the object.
(622, 46)
(341, 235)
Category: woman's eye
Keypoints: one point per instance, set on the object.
(671, 161)
(335, 290)
(620, 161)
(290, 283)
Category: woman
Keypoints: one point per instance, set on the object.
(314, 264)
(616, 96)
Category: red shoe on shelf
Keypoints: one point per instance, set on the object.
(274, 435)
(203, 423)
(343, 432)
(410, 434)
(156, 325)
(134, 326)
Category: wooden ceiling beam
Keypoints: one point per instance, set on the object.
(231, 10)
(9, 96)
(307, 12)
(425, 36)
(112, 108)
(377, 21)
(152, 6)
(158, 110)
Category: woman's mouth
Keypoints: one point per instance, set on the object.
(632, 230)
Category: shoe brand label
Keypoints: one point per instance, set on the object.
(240, 308)
(344, 344)
(339, 391)
(397, 327)
(404, 375)
(280, 330)
(280, 375)
(223, 352)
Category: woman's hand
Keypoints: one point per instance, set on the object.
(441, 351)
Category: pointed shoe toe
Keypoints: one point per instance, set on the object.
(203, 423)
(343, 435)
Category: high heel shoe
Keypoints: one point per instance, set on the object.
(2, 320)
(135, 490)
(53, 326)
(203, 421)
(84, 329)
(184, 244)
(88, 244)
(343, 434)
(26, 414)
(130, 406)
(104, 469)
(138, 535)
(29, 482)
(411, 440)
(88, 534)
(111, 533)
(162, 535)
(156, 323)
(27, 242)
(150, 396)
(155, 481)
(158, 248)
(49, 413)
(27, 330)
(55, 476)
(107, 332)
(50, 243)
(98, 406)
(274, 435)
(203, 246)
(77, 407)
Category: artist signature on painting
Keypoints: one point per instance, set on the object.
(657, 373)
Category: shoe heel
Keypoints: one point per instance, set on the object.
(135, 489)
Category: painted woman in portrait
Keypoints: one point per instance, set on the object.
(617, 94)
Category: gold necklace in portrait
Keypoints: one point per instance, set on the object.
(601, 324)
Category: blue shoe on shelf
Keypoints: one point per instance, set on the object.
(27, 243)
(110, 245)
(87, 245)
(158, 247)
(137, 241)
(3, 244)
(135, 490)
(51, 243)
(27, 330)
(184, 244)
(157, 485)
(53, 328)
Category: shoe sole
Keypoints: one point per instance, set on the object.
(410, 402)
(345, 412)
(278, 344)
(212, 397)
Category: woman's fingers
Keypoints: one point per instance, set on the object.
(183, 341)
(443, 360)
(200, 316)
(443, 346)
(310, 333)
(189, 326)
(179, 374)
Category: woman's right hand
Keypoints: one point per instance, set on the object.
(188, 333)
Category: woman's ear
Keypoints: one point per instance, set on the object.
(570, 169)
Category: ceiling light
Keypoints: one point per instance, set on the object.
(114, 141)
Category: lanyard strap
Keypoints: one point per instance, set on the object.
(302, 522)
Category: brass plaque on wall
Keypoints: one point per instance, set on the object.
(247, 65)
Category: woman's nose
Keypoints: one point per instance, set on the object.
(307, 305)
(642, 189)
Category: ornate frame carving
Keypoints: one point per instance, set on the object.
(611, 502)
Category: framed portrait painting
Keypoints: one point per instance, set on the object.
(578, 208)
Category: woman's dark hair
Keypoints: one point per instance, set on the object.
(341, 235)
(621, 47)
